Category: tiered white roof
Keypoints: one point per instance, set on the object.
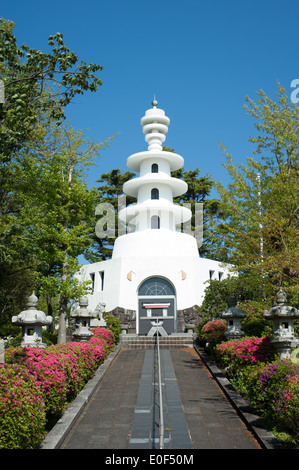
(155, 187)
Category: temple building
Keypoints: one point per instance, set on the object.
(155, 270)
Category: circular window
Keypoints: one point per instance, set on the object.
(156, 286)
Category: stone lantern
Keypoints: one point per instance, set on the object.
(32, 321)
(83, 317)
(233, 316)
(98, 319)
(282, 323)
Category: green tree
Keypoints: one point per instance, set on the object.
(25, 72)
(199, 191)
(240, 287)
(55, 219)
(262, 201)
(63, 223)
(37, 88)
(109, 191)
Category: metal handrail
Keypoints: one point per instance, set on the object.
(161, 417)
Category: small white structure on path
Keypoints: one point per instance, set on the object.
(155, 271)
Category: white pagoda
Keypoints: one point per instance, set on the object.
(155, 270)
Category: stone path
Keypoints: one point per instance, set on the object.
(197, 414)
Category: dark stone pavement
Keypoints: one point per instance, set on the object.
(212, 421)
(197, 414)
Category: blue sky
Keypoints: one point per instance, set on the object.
(199, 58)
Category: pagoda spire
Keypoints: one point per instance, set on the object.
(155, 188)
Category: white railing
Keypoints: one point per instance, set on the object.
(161, 416)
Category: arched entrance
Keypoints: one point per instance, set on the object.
(156, 301)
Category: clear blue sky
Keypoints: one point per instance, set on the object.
(200, 58)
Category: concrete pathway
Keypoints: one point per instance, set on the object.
(121, 415)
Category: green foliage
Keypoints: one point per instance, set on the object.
(199, 327)
(286, 409)
(22, 409)
(111, 187)
(242, 287)
(9, 330)
(261, 223)
(199, 191)
(254, 324)
(113, 324)
(55, 218)
(46, 208)
(264, 384)
(25, 72)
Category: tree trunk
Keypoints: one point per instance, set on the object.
(64, 275)
(51, 327)
(63, 305)
(62, 320)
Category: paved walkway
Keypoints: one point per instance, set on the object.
(197, 414)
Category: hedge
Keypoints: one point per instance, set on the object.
(37, 384)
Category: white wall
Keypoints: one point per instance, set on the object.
(122, 277)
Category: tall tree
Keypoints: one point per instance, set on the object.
(37, 88)
(56, 212)
(262, 200)
(66, 214)
(25, 72)
(199, 189)
(109, 191)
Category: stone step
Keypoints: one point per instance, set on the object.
(144, 342)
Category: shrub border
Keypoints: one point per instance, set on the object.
(255, 423)
(58, 433)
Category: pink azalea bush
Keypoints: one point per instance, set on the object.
(213, 331)
(44, 380)
(22, 408)
(270, 385)
(79, 361)
(106, 334)
(46, 370)
(246, 351)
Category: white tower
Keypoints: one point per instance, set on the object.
(155, 217)
(155, 270)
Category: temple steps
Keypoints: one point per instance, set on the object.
(133, 341)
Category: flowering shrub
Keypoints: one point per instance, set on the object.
(246, 351)
(213, 331)
(37, 383)
(266, 382)
(47, 371)
(287, 408)
(22, 409)
(106, 334)
(79, 361)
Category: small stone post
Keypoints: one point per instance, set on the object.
(32, 321)
(282, 324)
(233, 316)
(83, 317)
